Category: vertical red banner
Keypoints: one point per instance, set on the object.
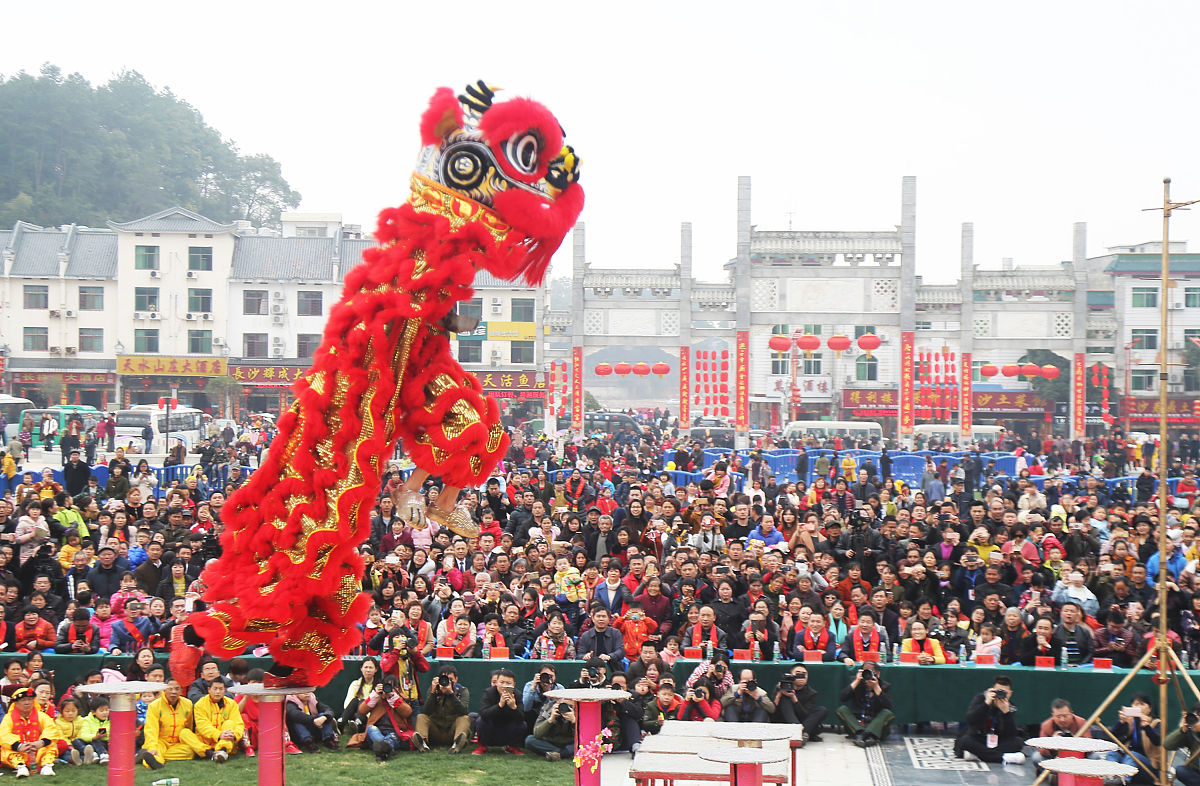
(907, 340)
(685, 386)
(965, 414)
(577, 387)
(1079, 395)
(742, 385)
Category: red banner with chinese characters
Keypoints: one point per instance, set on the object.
(577, 387)
(685, 385)
(1146, 410)
(965, 412)
(907, 421)
(1079, 396)
(742, 384)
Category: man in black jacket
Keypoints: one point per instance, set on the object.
(991, 733)
(796, 702)
(866, 707)
(501, 719)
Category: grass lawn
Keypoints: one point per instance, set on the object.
(352, 767)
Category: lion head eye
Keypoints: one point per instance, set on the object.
(522, 151)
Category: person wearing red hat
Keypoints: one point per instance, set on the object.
(28, 735)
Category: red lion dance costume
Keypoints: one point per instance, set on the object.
(494, 189)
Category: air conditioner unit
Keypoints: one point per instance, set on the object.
(69, 313)
(1175, 376)
(1175, 345)
(139, 315)
(277, 308)
(276, 320)
(277, 353)
(495, 354)
(206, 316)
(496, 301)
(191, 315)
(277, 295)
(885, 340)
(1175, 303)
(155, 315)
(191, 274)
(55, 351)
(497, 308)
(55, 314)
(218, 341)
(70, 350)
(277, 341)
(155, 274)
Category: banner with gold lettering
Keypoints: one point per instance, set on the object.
(742, 385)
(907, 421)
(965, 413)
(171, 365)
(577, 387)
(685, 385)
(1079, 396)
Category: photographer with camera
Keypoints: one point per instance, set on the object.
(501, 718)
(554, 732)
(699, 704)
(1061, 723)
(443, 719)
(861, 543)
(533, 695)
(746, 702)
(796, 702)
(991, 727)
(389, 720)
(866, 707)
(1187, 736)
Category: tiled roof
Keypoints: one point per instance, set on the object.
(37, 253)
(1181, 264)
(352, 251)
(93, 255)
(283, 258)
(485, 280)
(173, 219)
(824, 242)
(935, 293)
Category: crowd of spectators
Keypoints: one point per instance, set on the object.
(608, 562)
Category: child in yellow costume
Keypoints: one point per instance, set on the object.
(218, 721)
(168, 729)
(28, 735)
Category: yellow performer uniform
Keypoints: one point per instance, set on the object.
(213, 719)
(30, 725)
(169, 735)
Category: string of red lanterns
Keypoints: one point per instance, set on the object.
(1030, 370)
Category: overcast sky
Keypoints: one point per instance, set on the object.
(1022, 117)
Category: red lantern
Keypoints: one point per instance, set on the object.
(603, 369)
(660, 369)
(641, 369)
(1011, 370)
(146, 385)
(622, 369)
(1050, 372)
(869, 342)
(780, 343)
(201, 382)
(988, 371)
(1031, 370)
(808, 342)
(839, 344)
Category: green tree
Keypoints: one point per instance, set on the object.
(70, 152)
(590, 404)
(1056, 390)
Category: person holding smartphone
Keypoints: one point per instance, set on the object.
(991, 727)
(501, 717)
(1139, 730)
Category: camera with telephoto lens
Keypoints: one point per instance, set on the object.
(867, 674)
(546, 679)
(443, 680)
(1000, 694)
(751, 686)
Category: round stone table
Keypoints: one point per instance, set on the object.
(587, 721)
(750, 735)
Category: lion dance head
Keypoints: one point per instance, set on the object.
(509, 157)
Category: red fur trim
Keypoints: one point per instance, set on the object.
(444, 112)
(516, 116)
(546, 224)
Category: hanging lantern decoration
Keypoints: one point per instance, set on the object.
(779, 343)
(1050, 372)
(641, 369)
(839, 344)
(869, 342)
(603, 369)
(987, 370)
(622, 369)
(660, 370)
(146, 386)
(1031, 370)
(1009, 370)
(809, 343)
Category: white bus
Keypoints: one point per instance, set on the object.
(185, 423)
(948, 431)
(861, 430)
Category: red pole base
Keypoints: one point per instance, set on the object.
(123, 725)
(586, 731)
(745, 775)
(270, 741)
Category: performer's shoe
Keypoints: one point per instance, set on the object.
(184, 656)
(295, 678)
(458, 520)
(410, 506)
